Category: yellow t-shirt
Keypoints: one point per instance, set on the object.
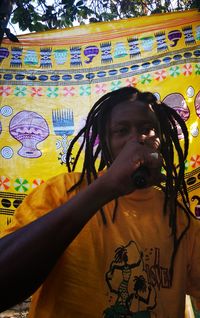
(120, 269)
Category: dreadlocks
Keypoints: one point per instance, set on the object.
(95, 127)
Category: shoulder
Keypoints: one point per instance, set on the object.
(189, 224)
(184, 217)
(44, 198)
(56, 188)
(64, 180)
(194, 229)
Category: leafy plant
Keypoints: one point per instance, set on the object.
(38, 15)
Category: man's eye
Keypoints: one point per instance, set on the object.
(148, 130)
(122, 130)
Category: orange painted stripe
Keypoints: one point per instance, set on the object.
(107, 31)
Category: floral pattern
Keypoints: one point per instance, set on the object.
(195, 161)
(5, 91)
(85, 90)
(160, 75)
(100, 88)
(131, 81)
(115, 85)
(37, 182)
(52, 92)
(21, 185)
(187, 69)
(174, 71)
(36, 91)
(69, 91)
(4, 183)
(146, 78)
(197, 69)
(20, 91)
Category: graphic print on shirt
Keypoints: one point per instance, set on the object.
(132, 280)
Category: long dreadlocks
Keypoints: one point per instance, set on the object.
(95, 127)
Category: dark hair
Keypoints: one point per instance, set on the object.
(95, 127)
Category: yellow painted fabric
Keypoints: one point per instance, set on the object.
(50, 80)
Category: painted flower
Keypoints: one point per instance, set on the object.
(20, 91)
(195, 161)
(146, 78)
(187, 69)
(36, 91)
(21, 185)
(131, 81)
(69, 91)
(100, 88)
(197, 69)
(52, 91)
(174, 71)
(85, 90)
(160, 75)
(115, 85)
(4, 183)
(37, 182)
(5, 90)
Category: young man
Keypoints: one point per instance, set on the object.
(111, 241)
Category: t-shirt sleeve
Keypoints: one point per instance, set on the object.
(41, 200)
(193, 281)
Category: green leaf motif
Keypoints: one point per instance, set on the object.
(174, 71)
(20, 91)
(52, 92)
(21, 185)
(85, 90)
(146, 78)
(197, 69)
(115, 85)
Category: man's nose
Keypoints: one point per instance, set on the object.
(137, 136)
(142, 138)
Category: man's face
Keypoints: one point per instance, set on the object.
(132, 120)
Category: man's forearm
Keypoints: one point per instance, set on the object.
(28, 255)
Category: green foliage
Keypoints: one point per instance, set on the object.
(37, 15)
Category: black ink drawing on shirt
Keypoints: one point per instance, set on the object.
(126, 288)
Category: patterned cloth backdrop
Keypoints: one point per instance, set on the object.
(49, 81)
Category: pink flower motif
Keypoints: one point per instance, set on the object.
(36, 91)
(5, 90)
(4, 183)
(131, 81)
(69, 91)
(187, 69)
(100, 88)
(195, 161)
(160, 75)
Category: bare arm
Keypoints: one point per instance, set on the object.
(28, 255)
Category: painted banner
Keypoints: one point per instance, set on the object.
(50, 80)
